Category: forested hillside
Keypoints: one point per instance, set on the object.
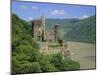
(84, 30)
(26, 57)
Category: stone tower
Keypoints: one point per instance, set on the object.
(42, 23)
(35, 27)
(56, 31)
(38, 29)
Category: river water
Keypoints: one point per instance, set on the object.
(84, 53)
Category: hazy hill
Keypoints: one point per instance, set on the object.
(84, 30)
(65, 24)
(62, 22)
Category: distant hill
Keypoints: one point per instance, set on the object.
(62, 22)
(65, 24)
(84, 30)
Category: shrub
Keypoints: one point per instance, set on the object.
(20, 67)
(64, 64)
(69, 65)
(57, 60)
(31, 53)
(46, 66)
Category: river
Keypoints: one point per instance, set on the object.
(84, 53)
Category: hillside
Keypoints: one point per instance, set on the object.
(84, 30)
(26, 56)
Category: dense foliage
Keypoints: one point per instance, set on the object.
(26, 57)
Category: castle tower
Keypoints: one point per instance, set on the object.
(35, 27)
(56, 30)
(42, 23)
(38, 29)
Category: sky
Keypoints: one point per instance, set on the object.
(33, 10)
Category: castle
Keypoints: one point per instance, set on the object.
(39, 33)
